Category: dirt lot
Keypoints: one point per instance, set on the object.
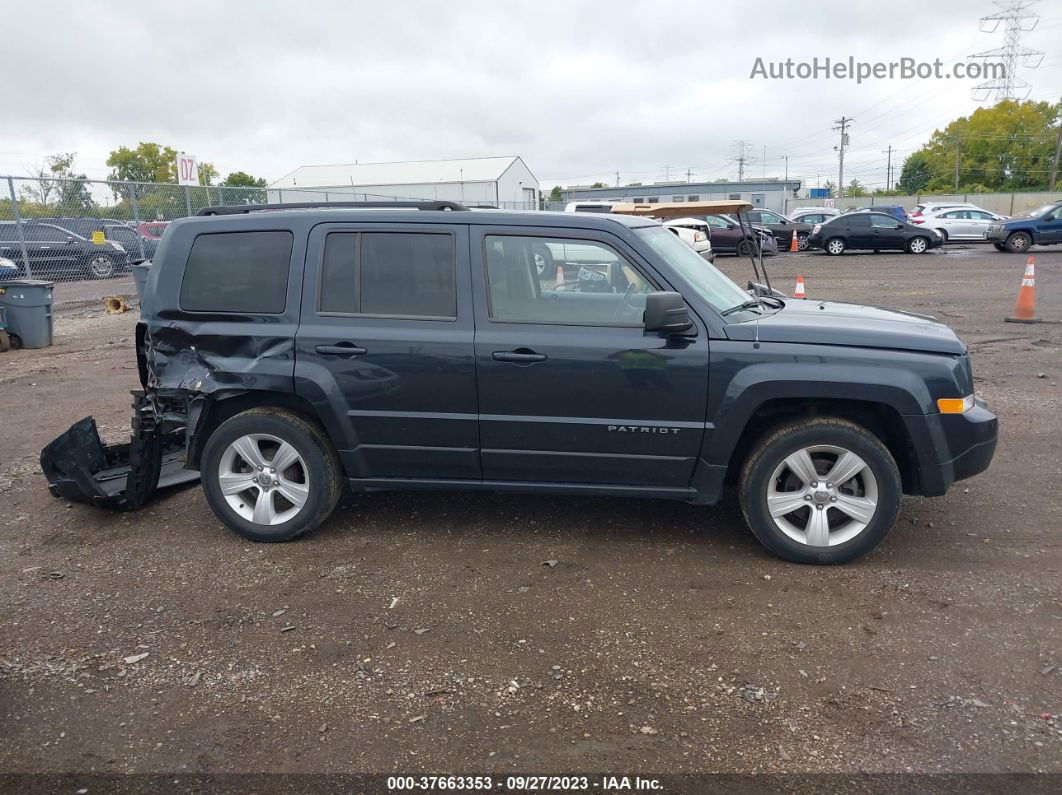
(431, 632)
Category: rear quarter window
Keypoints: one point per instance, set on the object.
(243, 272)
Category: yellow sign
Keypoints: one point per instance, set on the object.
(98, 237)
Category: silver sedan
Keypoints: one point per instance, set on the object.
(958, 223)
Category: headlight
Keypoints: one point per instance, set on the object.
(699, 237)
(116, 246)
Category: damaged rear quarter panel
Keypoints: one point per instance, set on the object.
(201, 353)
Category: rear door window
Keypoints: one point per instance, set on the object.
(392, 274)
(244, 272)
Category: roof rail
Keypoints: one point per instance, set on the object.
(240, 209)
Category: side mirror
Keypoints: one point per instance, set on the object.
(666, 312)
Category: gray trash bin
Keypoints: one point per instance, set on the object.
(28, 305)
(140, 274)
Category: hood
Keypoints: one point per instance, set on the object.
(838, 323)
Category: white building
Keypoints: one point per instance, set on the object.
(498, 181)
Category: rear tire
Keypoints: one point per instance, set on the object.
(944, 234)
(999, 247)
(100, 266)
(313, 478)
(821, 526)
(802, 242)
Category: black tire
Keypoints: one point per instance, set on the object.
(323, 471)
(100, 266)
(999, 247)
(918, 245)
(1018, 242)
(743, 248)
(835, 246)
(16, 341)
(543, 260)
(769, 453)
(944, 234)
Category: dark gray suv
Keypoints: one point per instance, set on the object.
(287, 353)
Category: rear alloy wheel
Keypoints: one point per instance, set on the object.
(802, 242)
(100, 266)
(1018, 242)
(834, 246)
(270, 475)
(917, 245)
(820, 491)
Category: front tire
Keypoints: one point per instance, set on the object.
(835, 246)
(822, 491)
(918, 245)
(270, 475)
(543, 260)
(1018, 242)
(100, 266)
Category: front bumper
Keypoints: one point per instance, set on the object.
(708, 255)
(958, 446)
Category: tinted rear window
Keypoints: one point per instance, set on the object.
(238, 272)
(405, 274)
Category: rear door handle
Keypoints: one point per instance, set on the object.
(519, 356)
(344, 350)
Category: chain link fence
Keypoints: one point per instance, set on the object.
(86, 235)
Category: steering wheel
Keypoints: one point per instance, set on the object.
(623, 302)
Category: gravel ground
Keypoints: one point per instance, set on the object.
(482, 632)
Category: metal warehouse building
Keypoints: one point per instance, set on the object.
(499, 181)
(768, 193)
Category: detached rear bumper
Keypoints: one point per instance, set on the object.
(80, 468)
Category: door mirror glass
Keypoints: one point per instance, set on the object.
(666, 311)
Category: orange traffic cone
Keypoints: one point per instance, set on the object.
(559, 280)
(799, 291)
(793, 245)
(1025, 306)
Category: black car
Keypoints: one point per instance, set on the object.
(729, 238)
(782, 228)
(53, 250)
(289, 353)
(875, 231)
(138, 246)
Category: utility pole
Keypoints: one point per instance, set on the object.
(617, 179)
(842, 125)
(786, 157)
(689, 175)
(888, 168)
(1058, 150)
(667, 173)
(958, 148)
(1016, 19)
(742, 159)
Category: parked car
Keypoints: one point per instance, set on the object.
(814, 215)
(824, 414)
(781, 227)
(696, 233)
(727, 237)
(588, 207)
(53, 250)
(153, 229)
(926, 207)
(1041, 227)
(958, 224)
(895, 210)
(138, 246)
(8, 269)
(875, 231)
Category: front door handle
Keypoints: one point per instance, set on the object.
(519, 356)
(344, 350)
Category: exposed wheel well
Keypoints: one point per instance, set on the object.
(881, 420)
(218, 409)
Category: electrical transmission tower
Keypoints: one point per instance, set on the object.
(1016, 19)
(741, 158)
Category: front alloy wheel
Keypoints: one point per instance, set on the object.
(820, 490)
(1018, 242)
(101, 267)
(918, 245)
(802, 242)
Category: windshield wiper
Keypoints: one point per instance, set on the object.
(757, 304)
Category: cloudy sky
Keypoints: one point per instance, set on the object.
(581, 90)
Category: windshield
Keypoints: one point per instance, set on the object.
(1042, 211)
(710, 284)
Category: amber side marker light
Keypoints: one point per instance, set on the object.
(955, 405)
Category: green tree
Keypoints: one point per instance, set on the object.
(1007, 147)
(916, 173)
(855, 188)
(831, 189)
(149, 162)
(598, 185)
(241, 179)
(556, 195)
